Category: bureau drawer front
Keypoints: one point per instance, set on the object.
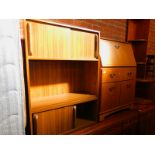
(111, 74)
(110, 94)
(128, 73)
(118, 74)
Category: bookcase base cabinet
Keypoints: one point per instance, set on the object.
(65, 119)
(53, 122)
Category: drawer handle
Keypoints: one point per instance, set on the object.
(128, 85)
(129, 73)
(112, 75)
(111, 89)
(117, 46)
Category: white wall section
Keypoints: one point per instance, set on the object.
(11, 79)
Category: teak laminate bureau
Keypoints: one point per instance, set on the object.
(118, 76)
(62, 67)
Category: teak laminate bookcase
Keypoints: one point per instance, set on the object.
(138, 33)
(62, 67)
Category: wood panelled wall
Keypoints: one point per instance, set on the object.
(114, 29)
(151, 39)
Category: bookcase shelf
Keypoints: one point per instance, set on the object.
(141, 63)
(146, 70)
(138, 32)
(145, 80)
(138, 40)
(57, 101)
(57, 59)
(138, 29)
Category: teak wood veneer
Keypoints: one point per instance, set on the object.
(58, 101)
(118, 75)
(62, 68)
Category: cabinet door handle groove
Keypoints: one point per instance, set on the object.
(96, 46)
(29, 28)
(35, 124)
(74, 116)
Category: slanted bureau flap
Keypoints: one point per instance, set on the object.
(115, 53)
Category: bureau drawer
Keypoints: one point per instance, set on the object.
(111, 74)
(118, 74)
(128, 73)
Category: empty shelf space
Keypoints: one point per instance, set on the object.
(83, 122)
(80, 123)
(63, 59)
(150, 63)
(57, 101)
(139, 100)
